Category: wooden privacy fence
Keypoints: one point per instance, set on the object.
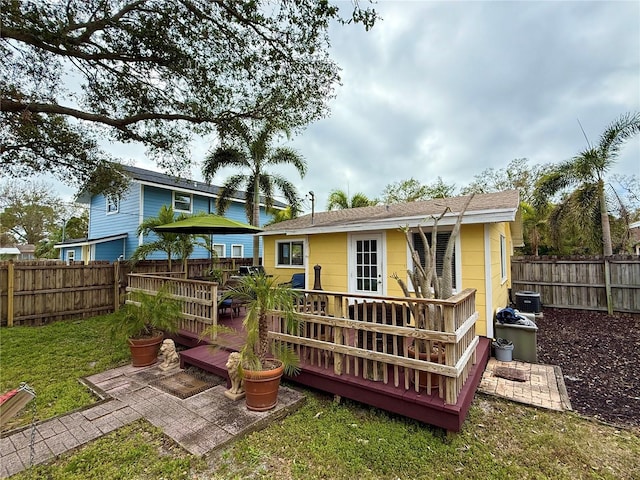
(199, 298)
(593, 283)
(39, 292)
(370, 337)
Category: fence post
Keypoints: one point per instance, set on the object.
(607, 285)
(116, 285)
(10, 286)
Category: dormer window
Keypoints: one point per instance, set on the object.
(182, 202)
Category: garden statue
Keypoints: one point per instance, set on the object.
(236, 392)
(171, 359)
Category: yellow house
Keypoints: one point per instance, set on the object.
(358, 250)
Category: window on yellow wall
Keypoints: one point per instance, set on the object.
(290, 254)
(441, 246)
(503, 257)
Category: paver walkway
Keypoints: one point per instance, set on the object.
(544, 385)
(200, 423)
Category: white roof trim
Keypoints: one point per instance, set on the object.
(92, 241)
(9, 251)
(474, 217)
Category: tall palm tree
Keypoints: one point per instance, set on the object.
(339, 200)
(587, 204)
(246, 149)
(172, 244)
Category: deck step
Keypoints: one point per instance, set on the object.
(207, 358)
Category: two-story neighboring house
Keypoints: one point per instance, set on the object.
(113, 223)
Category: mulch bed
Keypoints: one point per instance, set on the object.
(600, 360)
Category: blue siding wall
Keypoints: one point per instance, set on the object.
(124, 221)
(109, 251)
(127, 219)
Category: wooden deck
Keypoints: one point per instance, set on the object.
(357, 346)
(430, 409)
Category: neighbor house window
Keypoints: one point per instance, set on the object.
(290, 253)
(503, 257)
(113, 205)
(182, 202)
(219, 250)
(237, 251)
(70, 255)
(441, 246)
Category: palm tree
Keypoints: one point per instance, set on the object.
(170, 243)
(253, 154)
(587, 204)
(282, 215)
(339, 200)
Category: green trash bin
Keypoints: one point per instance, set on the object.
(523, 337)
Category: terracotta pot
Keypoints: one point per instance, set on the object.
(429, 357)
(261, 387)
(144, 351)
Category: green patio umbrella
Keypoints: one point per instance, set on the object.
(207, 224)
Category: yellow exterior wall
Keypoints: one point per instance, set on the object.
(473, 269)
(396, 262)
(330, 252)
(499, 287)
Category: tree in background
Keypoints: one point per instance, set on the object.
(581, 181)
(154, 73)
(30, 213)
(76, 227)
(339, 200)
(282, 215)
(412, 190)
(249, 149)
(518, 175)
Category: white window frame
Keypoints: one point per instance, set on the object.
(220, 245)
(290, 243)
(70, 255)
(112, 205)
(233, 249)
(182, 194)
(503, 258)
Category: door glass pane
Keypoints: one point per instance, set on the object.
(366, 265)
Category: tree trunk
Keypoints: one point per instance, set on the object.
(256, 221)
(263, 337)
(607, 247)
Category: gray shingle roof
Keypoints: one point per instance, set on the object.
(501, 206)
(183, 183)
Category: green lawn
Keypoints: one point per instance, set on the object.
(322, 440)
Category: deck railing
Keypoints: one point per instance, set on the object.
(364, 336)
(374, 337)
(199, 298)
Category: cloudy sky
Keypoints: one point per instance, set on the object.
(450, 89)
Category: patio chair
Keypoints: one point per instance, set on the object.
(297, 281)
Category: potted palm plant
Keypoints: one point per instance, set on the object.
(143, 321)
(263, 361)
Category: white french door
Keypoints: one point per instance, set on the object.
(366, 264)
